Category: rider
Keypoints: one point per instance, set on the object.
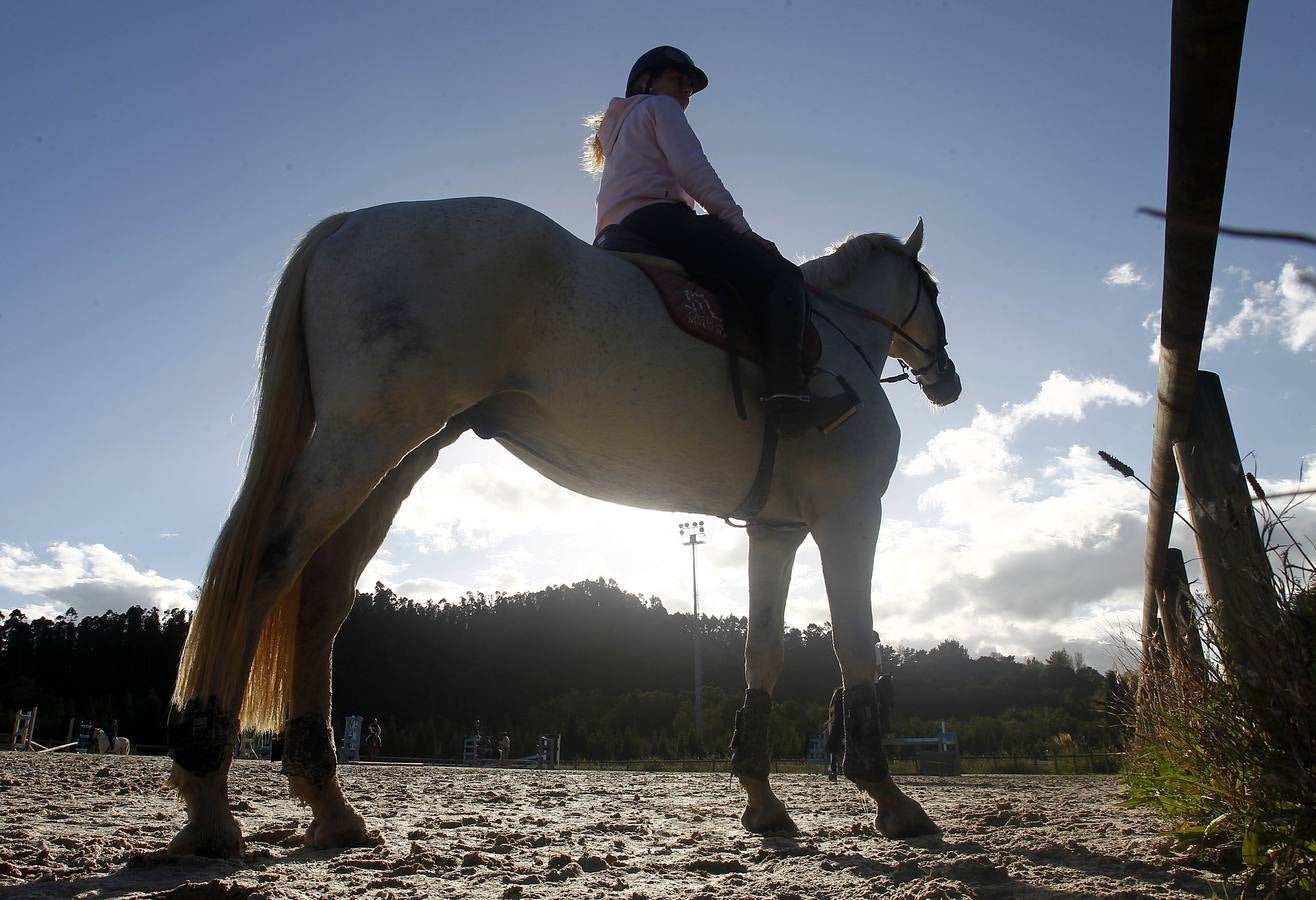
(653, 172)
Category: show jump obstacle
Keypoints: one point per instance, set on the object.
(21, 739)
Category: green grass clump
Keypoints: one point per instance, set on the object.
(1228, 757)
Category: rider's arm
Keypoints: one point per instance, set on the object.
(685, 155)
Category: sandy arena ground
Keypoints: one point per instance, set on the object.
(88, 826)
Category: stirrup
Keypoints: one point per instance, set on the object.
(833, 412)
(785, 395)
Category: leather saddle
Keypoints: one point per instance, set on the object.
(697, 309)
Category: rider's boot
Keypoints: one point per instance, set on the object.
(786, 397)
(786, 391)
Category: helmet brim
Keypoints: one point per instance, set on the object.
(660, 58)
(698, 80)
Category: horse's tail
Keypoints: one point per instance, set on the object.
(211, 664)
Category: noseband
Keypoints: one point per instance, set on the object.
(938, 359)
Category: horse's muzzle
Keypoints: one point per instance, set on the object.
(944, 390)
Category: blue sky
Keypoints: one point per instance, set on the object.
(160, 160)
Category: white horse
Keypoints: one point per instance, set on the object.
(103, 745)
(395, 329)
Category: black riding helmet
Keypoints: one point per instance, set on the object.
(665, 57)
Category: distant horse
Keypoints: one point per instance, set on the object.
(103, 745)
(394, 330)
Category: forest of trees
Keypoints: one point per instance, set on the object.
(608, 670)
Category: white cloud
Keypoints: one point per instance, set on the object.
(483, 505)
(1022, 559)
(91, 578)
(984, 444)
(1283, 309)
(1241, 274)
(1297, 299)
(1124, 275)
(504, 527)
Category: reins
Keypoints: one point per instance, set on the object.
(907, 373)
(876, 317)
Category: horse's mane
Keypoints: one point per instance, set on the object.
(838, 262)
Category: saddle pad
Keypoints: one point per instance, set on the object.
(698, 311)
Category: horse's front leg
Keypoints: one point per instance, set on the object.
(771, 557)
(847, 541)
(328, 591)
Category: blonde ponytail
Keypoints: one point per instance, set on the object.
(592, 156)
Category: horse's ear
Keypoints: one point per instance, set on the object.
(914, 243)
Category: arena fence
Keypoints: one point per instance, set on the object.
(1067, 764)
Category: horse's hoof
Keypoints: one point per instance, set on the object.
(772, 820)
(904, 819)
(219, 838)
(340, 833)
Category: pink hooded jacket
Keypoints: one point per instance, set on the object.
(653, 156)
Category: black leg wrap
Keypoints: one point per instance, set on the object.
(749, 742)
(864, 758)
(308, 750)
(201, 738)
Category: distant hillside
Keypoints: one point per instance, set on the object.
(609, 670)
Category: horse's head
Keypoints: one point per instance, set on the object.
(919, 342)
(886, 283)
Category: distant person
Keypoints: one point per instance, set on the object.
(834, 742)
(505, 747)
(374, 742)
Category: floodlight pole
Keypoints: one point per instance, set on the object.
(693, 532)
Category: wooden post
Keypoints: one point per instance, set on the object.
(1175, 601)
(1238, 575)
(1206, 46)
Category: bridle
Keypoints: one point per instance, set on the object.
(937, 359)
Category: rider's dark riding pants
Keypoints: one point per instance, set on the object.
(710, 249)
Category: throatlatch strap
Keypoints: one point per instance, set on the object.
(749, 742)
(865, 760)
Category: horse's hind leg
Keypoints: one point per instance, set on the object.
(771, 558)
(847, 540)
(328, 591)
(333, 476)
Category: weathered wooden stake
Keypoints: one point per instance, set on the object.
(1238, 575)
(1179, 625)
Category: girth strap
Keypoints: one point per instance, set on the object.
(758, 491)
